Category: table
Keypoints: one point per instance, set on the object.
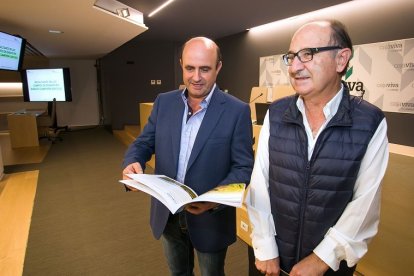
(23, 128)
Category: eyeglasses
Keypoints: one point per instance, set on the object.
(306, 54)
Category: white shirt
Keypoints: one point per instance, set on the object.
(189, 131)
(348, 238)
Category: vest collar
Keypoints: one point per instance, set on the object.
(342, 117)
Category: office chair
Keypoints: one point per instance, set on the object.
(47, 124)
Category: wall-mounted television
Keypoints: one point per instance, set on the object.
(11, 51)
(44, 85)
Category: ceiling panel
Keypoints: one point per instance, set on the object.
(90, 33)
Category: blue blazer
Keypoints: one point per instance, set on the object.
(222, 154)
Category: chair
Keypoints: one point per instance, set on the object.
(47, 124)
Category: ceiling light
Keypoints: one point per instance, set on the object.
(303, 18)
(123, 12)
(160, 7)
(120, 10)
(55, 32)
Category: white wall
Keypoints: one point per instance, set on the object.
(84, 108)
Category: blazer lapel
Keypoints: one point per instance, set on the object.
(176, 125)
(213, 114)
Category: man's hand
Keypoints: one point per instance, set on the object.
(132, 168)
(198, 208)
(312, 265)
(269, 267)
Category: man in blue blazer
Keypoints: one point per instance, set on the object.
(201, 137)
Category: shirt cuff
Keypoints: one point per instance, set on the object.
(265, 249)
(334, 248)
(326, 252)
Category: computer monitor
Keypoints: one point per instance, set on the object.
(11, 51)
(261, 109)
(44, 85)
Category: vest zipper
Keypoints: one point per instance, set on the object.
(302, 213)
(306, 190)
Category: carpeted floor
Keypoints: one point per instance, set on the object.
(84, 223)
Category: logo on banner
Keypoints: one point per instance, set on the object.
(391, 86)
(405, 66)
(270, 60)
(403, 106)
(394, 47)
(355, 87)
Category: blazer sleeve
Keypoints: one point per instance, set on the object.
(241, 150)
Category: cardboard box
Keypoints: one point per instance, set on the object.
(243, 226)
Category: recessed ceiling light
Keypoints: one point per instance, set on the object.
(55, 32)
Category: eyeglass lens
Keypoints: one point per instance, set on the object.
(306, 54)
(303, 55)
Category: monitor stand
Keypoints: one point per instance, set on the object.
(54, 127)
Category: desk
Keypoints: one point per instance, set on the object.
(144, 113)
(256, 134)
(23, 128)
(1, 164)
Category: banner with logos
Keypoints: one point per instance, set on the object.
(273, 71)
(383, 73)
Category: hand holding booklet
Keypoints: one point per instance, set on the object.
(174, 195)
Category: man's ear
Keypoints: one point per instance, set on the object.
(342, 58)
(218, 66)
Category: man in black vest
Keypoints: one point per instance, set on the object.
(314, 196)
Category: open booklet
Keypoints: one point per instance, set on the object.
(174, 195)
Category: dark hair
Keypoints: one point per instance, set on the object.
(340, 37)
(219, 57)
(218, 51)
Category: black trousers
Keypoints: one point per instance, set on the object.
(343, 270)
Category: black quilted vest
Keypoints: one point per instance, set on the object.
(308, 197)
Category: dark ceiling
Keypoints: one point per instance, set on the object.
(87, 32)
(183, 19)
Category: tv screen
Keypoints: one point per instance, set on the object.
(44, 85)
(11, 52)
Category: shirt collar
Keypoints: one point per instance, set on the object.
(205, 102)
(330, 109)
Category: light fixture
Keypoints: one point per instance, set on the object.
(120, 10)
(55, 32)
(124, 12)
(11, 89)
(160, 8)
(287, 23)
